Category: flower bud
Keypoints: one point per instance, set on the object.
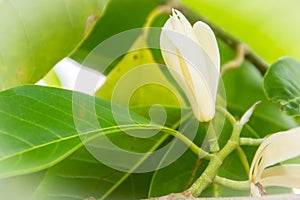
(192, 55)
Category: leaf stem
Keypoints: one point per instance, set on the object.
(237, 185)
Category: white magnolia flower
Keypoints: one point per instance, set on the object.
(192, 55)
(277, 148)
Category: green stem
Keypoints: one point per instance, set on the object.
(216, 161)
(216, 190)
(211, 134)
(228, 116)
(251, 141)
(237, 185)
(211, 137)
(227, 38)
(243, 158)
(193, 147)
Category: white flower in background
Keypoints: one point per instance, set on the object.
(192, 55)
(67, 72)
(277, 148)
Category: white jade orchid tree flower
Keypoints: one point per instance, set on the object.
(192, 54)
(277, 148)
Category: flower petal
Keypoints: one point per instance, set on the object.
(185, 24)
(255, 161)
(204, 109)
(208, 42)
(277, 148)
(168, 49)
(283, 175)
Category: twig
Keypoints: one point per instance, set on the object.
(216, 160)
(237, 61)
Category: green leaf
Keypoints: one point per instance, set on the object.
(38, 132)
(33, 114)
(29, 130)
(39, 121)
(119, 16)
(81, 176)
(35, 35)
(282, 85)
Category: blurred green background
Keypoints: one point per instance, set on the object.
(270, 27)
